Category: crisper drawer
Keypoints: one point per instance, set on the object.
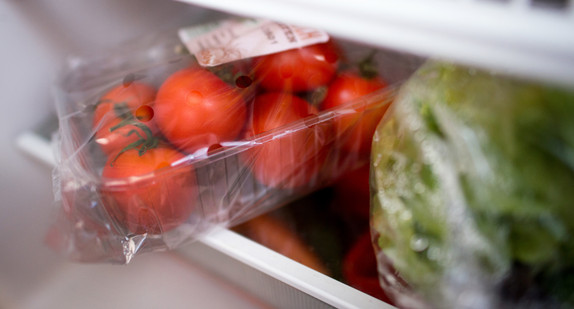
(315, 252)
(272, 277)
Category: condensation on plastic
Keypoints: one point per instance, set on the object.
(215, 184)
(471, 192)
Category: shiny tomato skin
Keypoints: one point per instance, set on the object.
(131, 103)
(360, 268)
(297, 70)
(195, 109)
(146, 193)
(294, 159)
(355, 130)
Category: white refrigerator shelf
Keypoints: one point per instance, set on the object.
(529, 38)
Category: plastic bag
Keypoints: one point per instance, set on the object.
(156, 149)
(471, 177)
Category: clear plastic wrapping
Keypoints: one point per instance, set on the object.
(471, 176)
(155, 149)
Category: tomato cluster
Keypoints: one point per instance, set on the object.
(145, 131)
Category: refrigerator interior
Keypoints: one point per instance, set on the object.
(527, 38)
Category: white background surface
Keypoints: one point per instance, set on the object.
(35, 36)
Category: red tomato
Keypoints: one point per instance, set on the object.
(196, 109)
(360, 268)
(355, 129)
(122, 116)
(294, 159)
(352, 194)
(295, 70)
(145, 192)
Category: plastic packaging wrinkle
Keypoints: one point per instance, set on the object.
(155, 149)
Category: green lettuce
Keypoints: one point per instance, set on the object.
(472, 178)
